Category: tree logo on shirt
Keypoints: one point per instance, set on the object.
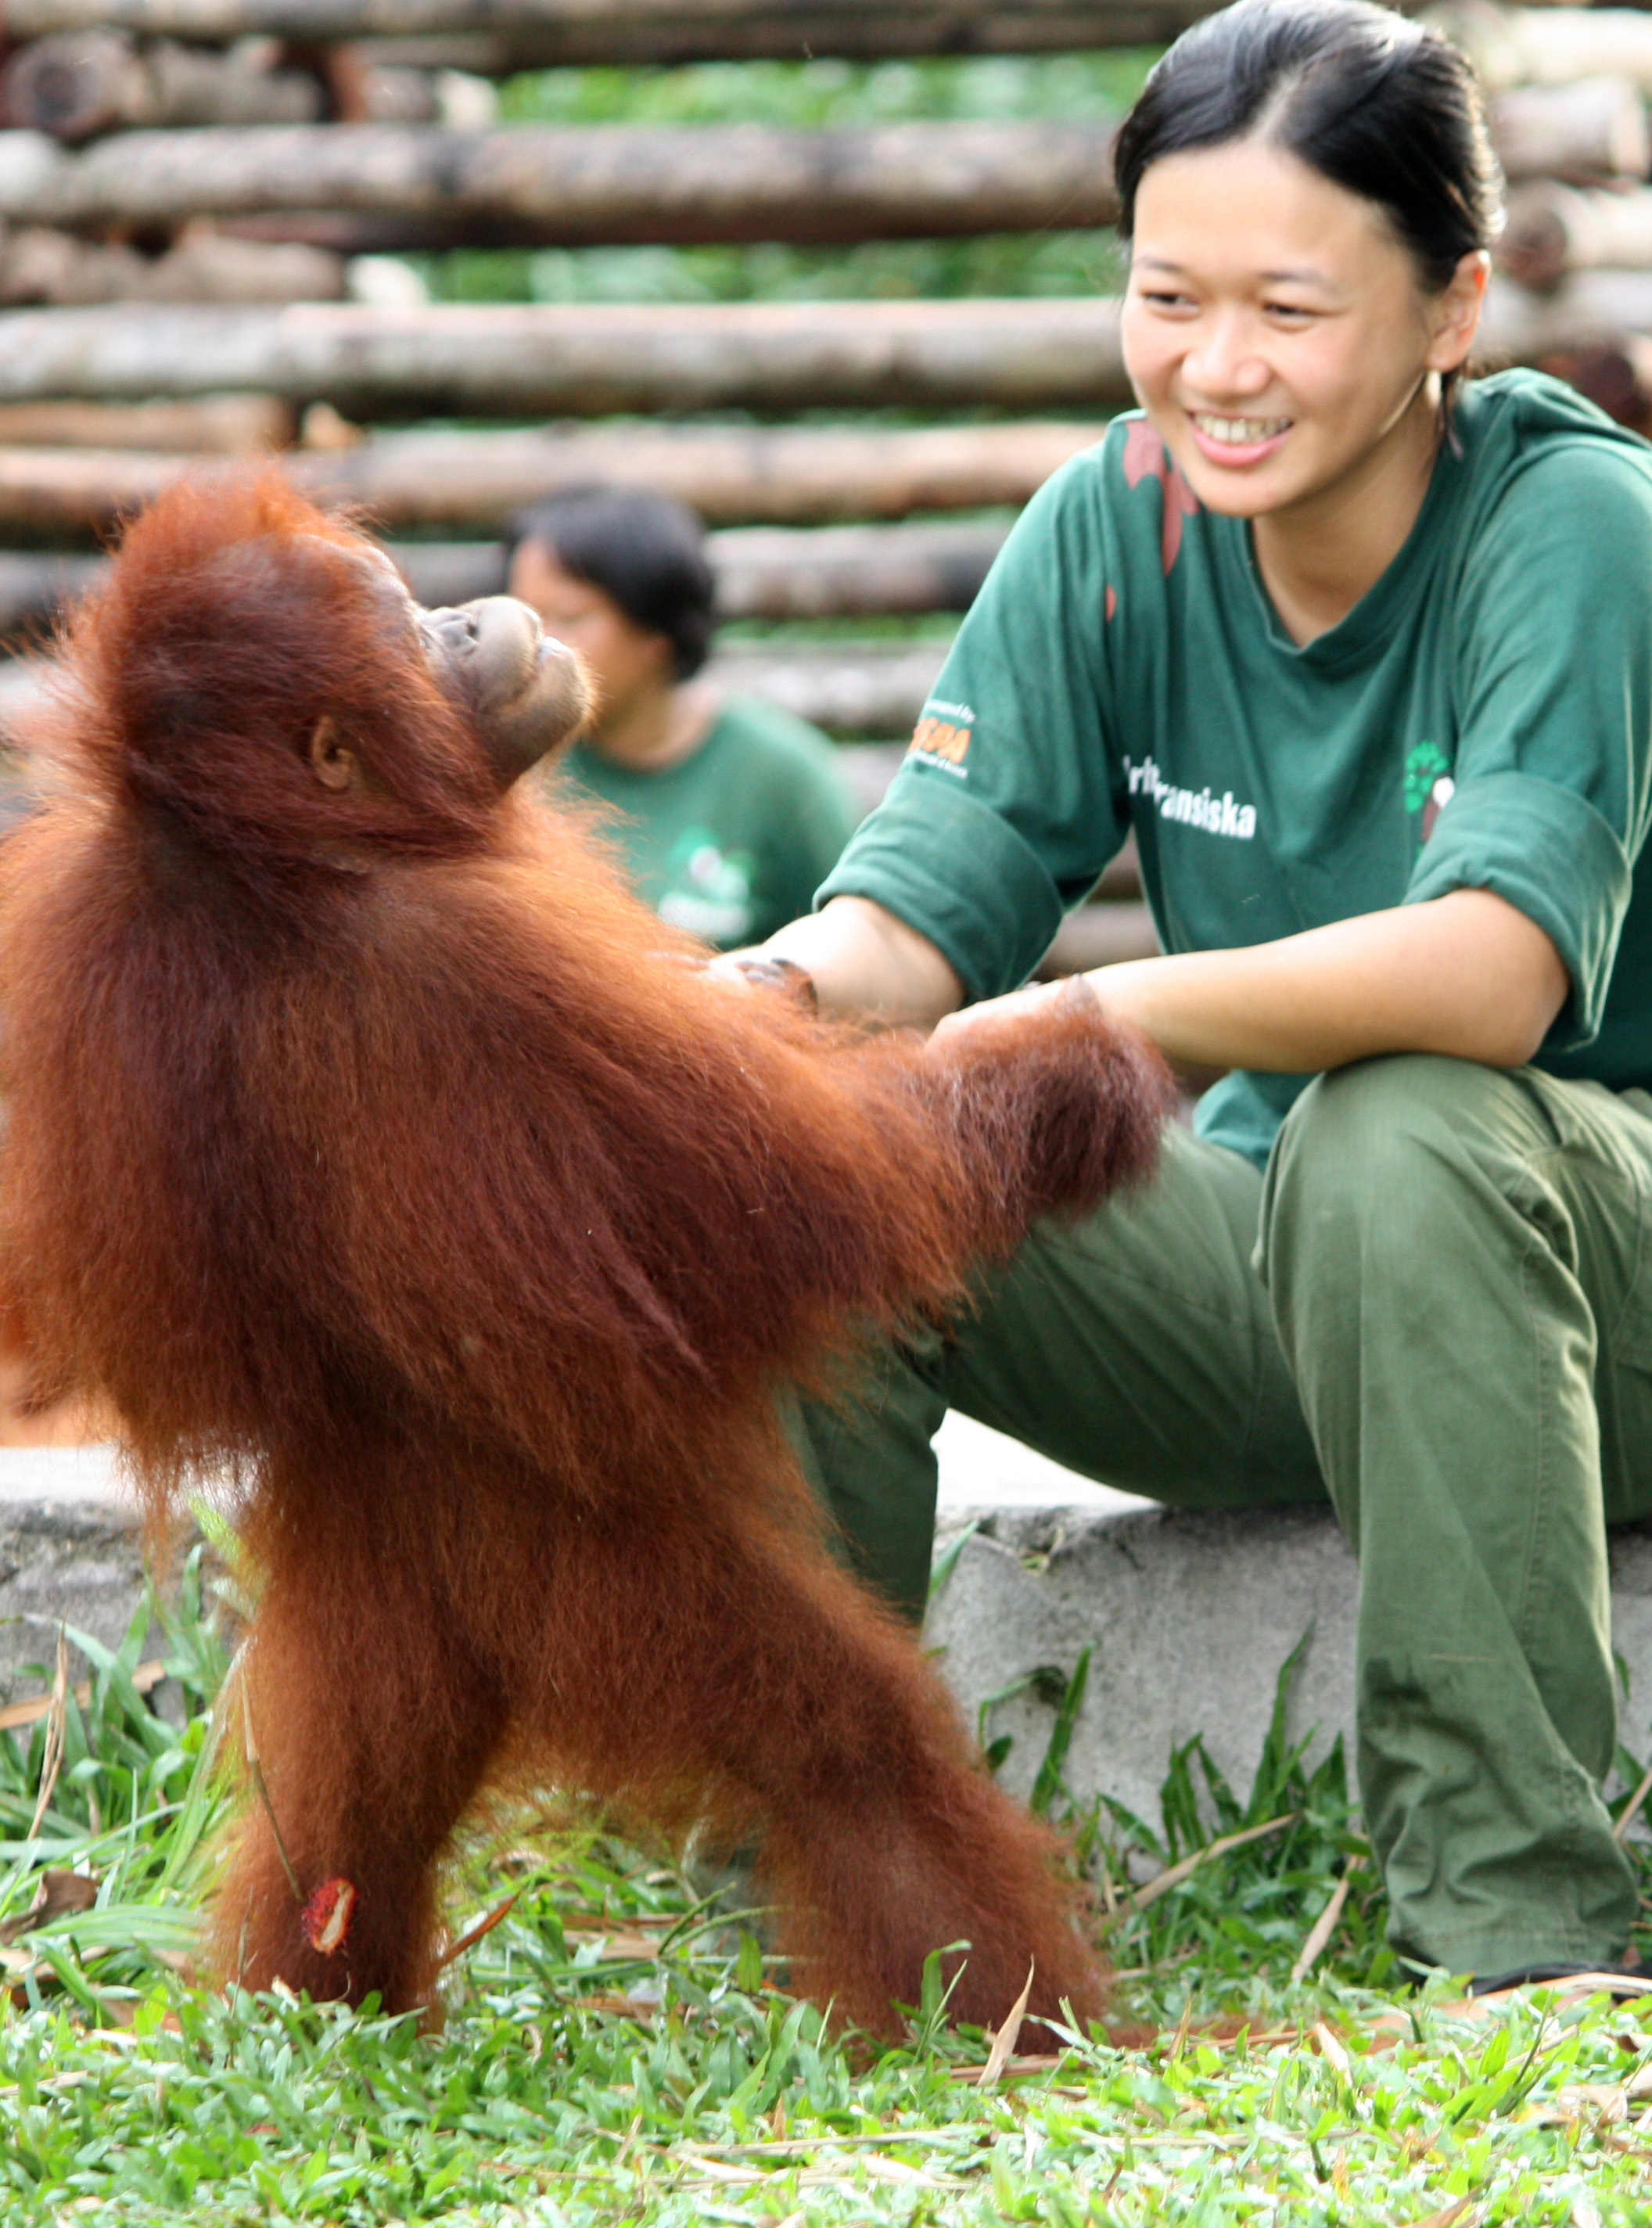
(1145, 459)
(710, 892)
(1429, 785)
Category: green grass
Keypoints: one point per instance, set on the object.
(613, 2054)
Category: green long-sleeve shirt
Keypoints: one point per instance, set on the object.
(1481, 718)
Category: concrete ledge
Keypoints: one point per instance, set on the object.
(1189, 1619)
(69, 1552)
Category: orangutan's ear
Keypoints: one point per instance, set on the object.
(332, 761)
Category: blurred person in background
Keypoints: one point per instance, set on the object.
(733, 811)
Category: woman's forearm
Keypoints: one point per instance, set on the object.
(1467, 975)
(866, 965)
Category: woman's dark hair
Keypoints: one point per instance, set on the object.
(647, 551)
(1381, 106)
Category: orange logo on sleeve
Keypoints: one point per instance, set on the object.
(939, 739)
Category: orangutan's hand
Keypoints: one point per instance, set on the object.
(1019, 1005)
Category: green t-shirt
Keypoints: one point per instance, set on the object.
(733, 841)
(1481, 718)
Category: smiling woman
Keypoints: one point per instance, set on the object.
(1363, 655)
(1305, 397)
(1297, 365)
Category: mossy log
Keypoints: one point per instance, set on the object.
(586, 360)
(769, 572)
(502, 36)
(472, 482)
(580, 185)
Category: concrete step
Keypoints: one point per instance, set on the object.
(69, 1552)
(1189, 1617)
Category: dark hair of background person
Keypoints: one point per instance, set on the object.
(1381, 106)
(647, 551)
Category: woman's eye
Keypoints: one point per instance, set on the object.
(1295, 310)
(1163, 298)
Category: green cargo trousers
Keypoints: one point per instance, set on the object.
(1435, 1308)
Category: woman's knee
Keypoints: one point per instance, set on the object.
(1370, 1155)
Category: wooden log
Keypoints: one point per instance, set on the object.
(56, 494)
(1616, 375)
(365, 91)
(775, 475)
(1099, 936)
(1594, 129)
(36, 591)
(1553, 229)
(501, 35)
(854, 688)
(587, 184)
(584, 359)
(767, 572)
(1552, 46)
(473, 482)
(1522, 327)
(81, 83)
(777, 573)
(851, 688)
(39, 263)
(218, 425)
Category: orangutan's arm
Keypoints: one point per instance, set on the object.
(866, 965)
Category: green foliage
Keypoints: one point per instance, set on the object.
(825, 95)
(811, 95)
(1238, 1920)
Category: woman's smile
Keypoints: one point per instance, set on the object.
(1233, 443)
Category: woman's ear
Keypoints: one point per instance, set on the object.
(334, 765)
(1454, 314)
(663, 654)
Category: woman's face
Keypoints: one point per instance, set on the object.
(622, 660)
(1274, 328)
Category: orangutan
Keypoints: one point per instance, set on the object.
(386, 1166)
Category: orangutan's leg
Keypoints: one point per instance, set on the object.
(373, 1725)
(742, 1657)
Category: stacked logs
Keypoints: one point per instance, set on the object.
(61, 92)
(202, 201)
(157, 164)
(1569, 90)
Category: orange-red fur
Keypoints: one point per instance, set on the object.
(378, 1147)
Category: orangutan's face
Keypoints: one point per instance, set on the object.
(523, 689)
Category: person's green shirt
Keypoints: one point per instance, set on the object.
(733, 841)
(1481, 718)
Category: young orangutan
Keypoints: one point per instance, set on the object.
(368, 1145)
